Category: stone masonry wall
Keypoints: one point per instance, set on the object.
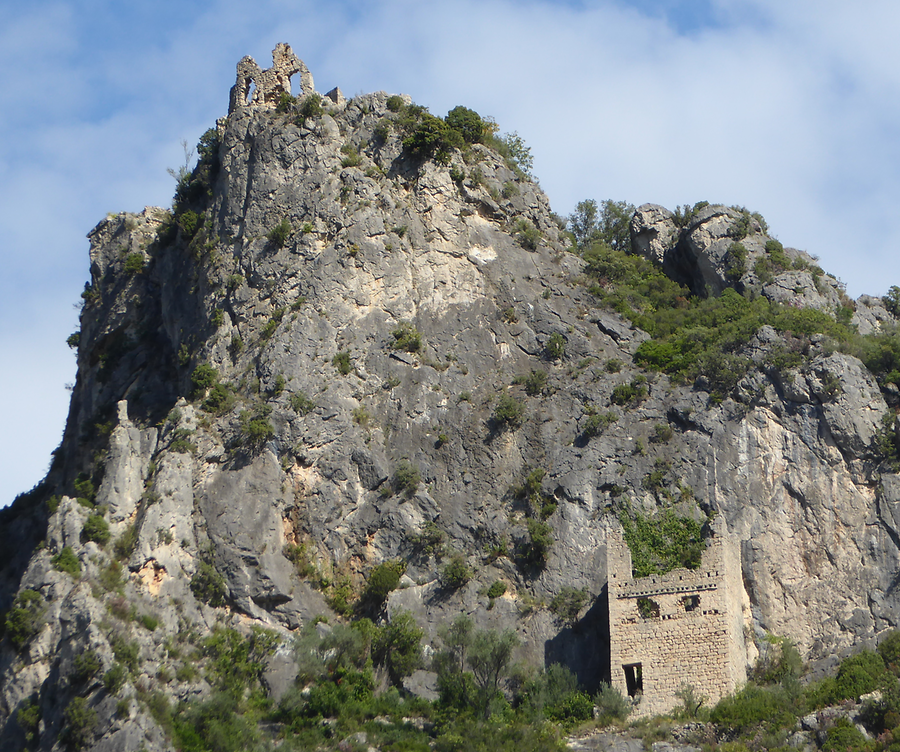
(694, 638)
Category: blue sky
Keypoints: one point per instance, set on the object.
(791, 109)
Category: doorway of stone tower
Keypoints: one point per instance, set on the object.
(634, 679)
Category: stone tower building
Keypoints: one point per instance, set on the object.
(681, 628)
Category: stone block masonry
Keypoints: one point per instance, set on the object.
(269, 84)
(681, 628)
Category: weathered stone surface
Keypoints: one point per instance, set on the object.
(653, 232)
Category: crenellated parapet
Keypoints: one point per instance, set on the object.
(260, 88)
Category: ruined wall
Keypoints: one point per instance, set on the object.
(268, 85)
(691, 632)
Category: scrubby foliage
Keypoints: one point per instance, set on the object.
(704, 338)
(67, 561)
(96, 529)
(25, 618)
(508, 412)
(661, 543)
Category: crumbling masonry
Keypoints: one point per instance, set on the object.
(270, 83)
(681, 628)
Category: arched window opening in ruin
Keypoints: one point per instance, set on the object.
(691, 602)
(251, 89)
(634, 679)
(648, 608)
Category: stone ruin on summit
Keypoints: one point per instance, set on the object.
(269, 84)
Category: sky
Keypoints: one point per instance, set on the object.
(791, 109)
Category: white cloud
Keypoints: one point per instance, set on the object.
(788, 108)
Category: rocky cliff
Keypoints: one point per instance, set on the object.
(343, 349)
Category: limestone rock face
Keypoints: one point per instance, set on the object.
(302, 379)
(653, 232)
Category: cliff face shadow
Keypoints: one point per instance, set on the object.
(584, 647)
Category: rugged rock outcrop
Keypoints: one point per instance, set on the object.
(311, 354)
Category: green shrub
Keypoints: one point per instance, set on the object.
(352, 157)
(527, 235)
(406, 337)
(467, 122)
(891, 300)
(858, 675)
(149, 622)
(567, 603)
(80, 722)
(95, 529)
(237, 662)
(128, 653)
(310, 107)
(536, 548)
(508, 412)
(556, 346)
(301, 404)
(220, 400)
(203, 378)
(611, 705)
(754, 707)
(134, 264)
(126, 542)
(489, 656)
(631, 393)
(181, 442)
(455, 573)
(396, 646)
(428, 540)
(845, 737)
(67, 561)
(779, 661)
(234, 281)
(395, 103)
(279, 234)
(736, 262)
(596, 423)
(25, 619)
(84, 489)
(341, 361)
(662, 432)
(256, 430)
(514, 150)
(112, 576)
(889, 650)
(29, 719)
(189, 222)
(208, 585)
(114, 679)
(497, 589)
(213, 724)
(406, 478)
(86, 665)
(535, 382)
(432, 138)
(285, 103)
(301, 558)
(384, 578)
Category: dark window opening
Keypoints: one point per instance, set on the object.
(691, 602)
(634, 679)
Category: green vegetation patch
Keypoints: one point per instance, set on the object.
(661, 543)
